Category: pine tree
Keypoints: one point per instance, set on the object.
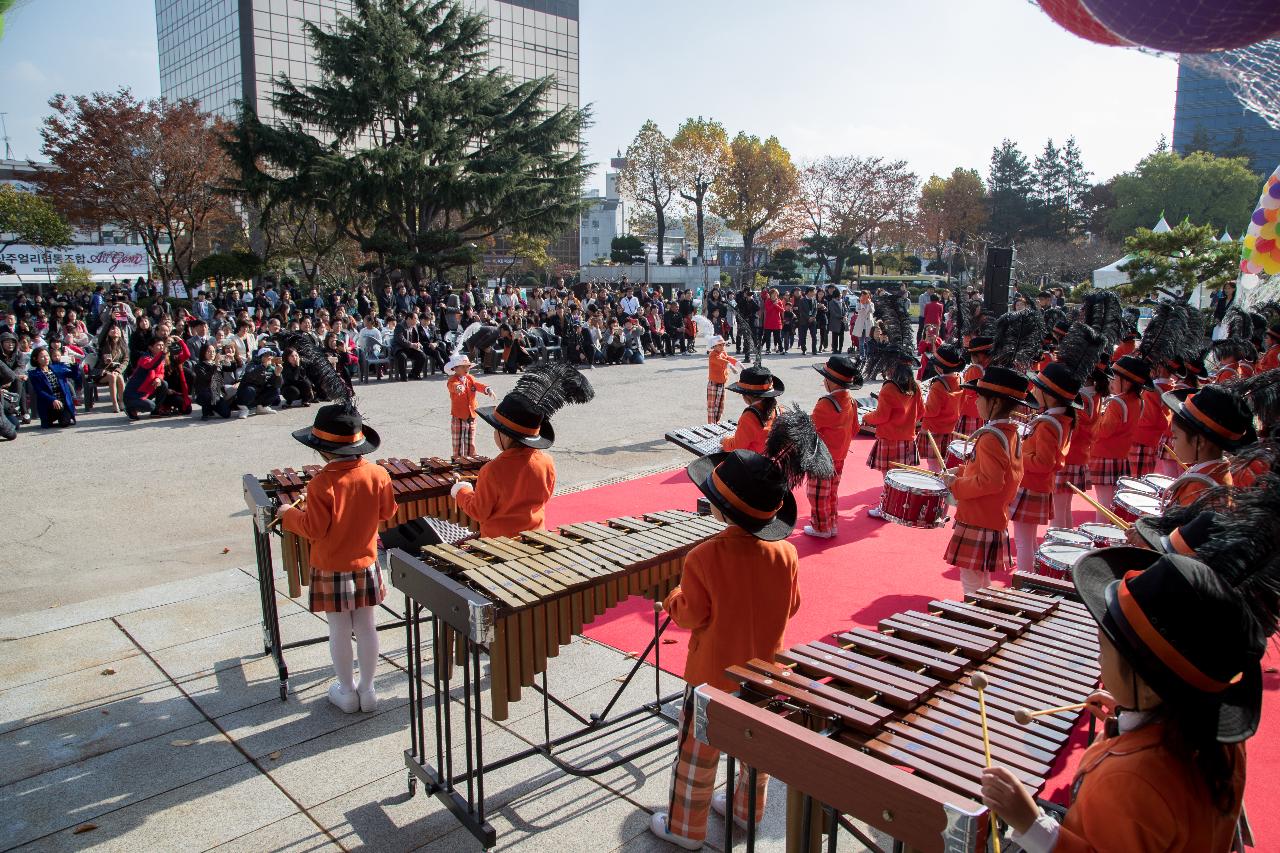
(1010, 184)
(1077, 184)
(410, 142)
(1050, 207)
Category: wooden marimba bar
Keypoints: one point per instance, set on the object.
(884, 725)
(703, 439)
(518, 600)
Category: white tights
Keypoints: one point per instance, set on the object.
(1024, 540)
(972, 580)
(1105, 494)
(362, 621)
(1062, 509)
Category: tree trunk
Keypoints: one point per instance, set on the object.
(836, 273)
(748, 241)
(698, 214)
(660, 214)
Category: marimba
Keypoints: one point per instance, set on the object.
(518, 600)
(884, 725)
(421, 490)
(703, 439)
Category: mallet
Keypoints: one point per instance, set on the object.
(1023, 716)
(276, 520)
(1169, 448)
(979, 682)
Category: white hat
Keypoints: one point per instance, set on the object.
(458, 359)
(264, 351)
(714, 340)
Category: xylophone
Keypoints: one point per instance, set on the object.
(703, 439)
(421, 490)
(884, 725)
(518, 600)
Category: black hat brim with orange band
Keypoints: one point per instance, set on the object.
(1050, 384)
(1134, 370)
(743, 478)
(1211, 417)
(749, 388)
(339, 430)
(1005, 384)
(841, 370)
(518, 424)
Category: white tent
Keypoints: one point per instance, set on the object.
(1110, 276)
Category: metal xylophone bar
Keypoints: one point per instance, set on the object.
(703, 439)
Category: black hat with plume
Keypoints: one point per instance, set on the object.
(753, 490)
(1214, 412)
(525, 412)
(1018, 339)
(1104, 313)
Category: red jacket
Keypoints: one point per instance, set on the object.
(835, 417)
(895, 414)
(1113, 435)
(1081, 448)
(1044, 453)
(1123, 349)
(752, 431)
(942, 404)
(1270, 359)
(736, 594)
(1196, 479)
(773, 313)
(511, 493)
(1154, 422)
(718, 362)
(969, 402)
(345, 503)
(462, 396)
(985, 485)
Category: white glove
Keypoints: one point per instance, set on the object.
(457, 487)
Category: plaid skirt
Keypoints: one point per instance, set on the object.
(979, 549)
(1163, 452)
(967, 424)
(885, 451)
(924, 451)
(1076, 473)
(338, 592)
(1142, 459)
(1105, 472)
(1031, 507)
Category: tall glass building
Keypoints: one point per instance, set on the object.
(221, 52)
(1208, 115)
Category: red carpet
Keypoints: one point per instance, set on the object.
(870, 571)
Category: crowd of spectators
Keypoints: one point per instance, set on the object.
(223, 352)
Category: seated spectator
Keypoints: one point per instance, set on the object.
(408, 350)
(259, 388)
(342, 360)
(113, 361)
(632, 345)
(214, 372)
(177, 376)
(513, 349)
(615, 344)
(51, 388)
(296, 387)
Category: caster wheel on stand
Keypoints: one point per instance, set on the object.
(413, 785)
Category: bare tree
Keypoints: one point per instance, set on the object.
(649, 177)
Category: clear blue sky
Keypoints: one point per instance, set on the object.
(935, 82)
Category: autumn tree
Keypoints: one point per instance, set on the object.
(26, 218)
(699, 149)
(1011, 184)
(526, 252)
(649, 178)
(156, 168)
(756, 188)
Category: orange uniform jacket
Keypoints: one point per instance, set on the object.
(1225, 374)
(969, 402)
(752, 431)
(511, 493)
(1134, 795)
(1154, 422)
(1082, 436)
(462, 396)
(1113, 433)
(345, 503)
(985, 485)
(1124, 348)
(718, 362)
(736, 594)
(835, 417)
(942, 404)
(1044, 453)
(1270, 359)
(1203, 475)
(895, 414)
(1246, 475)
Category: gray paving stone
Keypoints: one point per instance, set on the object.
(181, 622)
(71, 693)
(232, 647)
(382, 816)
(193, 817)
(36, 658)
(294, 834)
(81, 792)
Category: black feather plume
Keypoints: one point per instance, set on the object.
(1262, 392)
(1080, 350)
(893, 313)
(1103, 311)
(795, 447)
(1052, 317)
(316, 362)
(961, 317)
(1165, 337)
(1245, 549)
(1239, 325)
(1018, 339)
(985, 324)
(547, 388)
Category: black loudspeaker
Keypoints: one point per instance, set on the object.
(995, 280)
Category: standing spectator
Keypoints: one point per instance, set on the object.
(820, 320)
(836, 321)
(773, 308)
(864, 320)
(804, 320)
(788, 324)
(932, 313)
(746, 306)
(51, 388)
(922, 300)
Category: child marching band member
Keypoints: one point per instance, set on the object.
(719, 363)
(1045, 451)
(835, 417)
(941, 404)
(979, 350)
(1262, 394)
(1075, 469)
(1207, 424)
(510, 495)
(984, 486)
(1233, 350)
(462, 404)
(1181, 649)
(345, 503)
(897, 410)
(737, 591)
(1113, 435)
(1164, 341)
(1128, 343)
(1271, 358)
(761, 389)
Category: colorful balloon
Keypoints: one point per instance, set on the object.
(1073, 17)
(1188, 26)
(1260, 252)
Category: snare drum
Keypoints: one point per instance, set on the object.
(1159, 482)
(1103, 535)
(1134, 505)
(866, 406)
(1134, 484)
(1055, 559)
(914, 499)
(958, 453)
(1067, 536)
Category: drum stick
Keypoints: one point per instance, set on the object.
(959, 436)
(979, 682)
(1169, 447)
(1023, 716)
(915, 468)
(1115, 519)
(937, 454)
(276, 520)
